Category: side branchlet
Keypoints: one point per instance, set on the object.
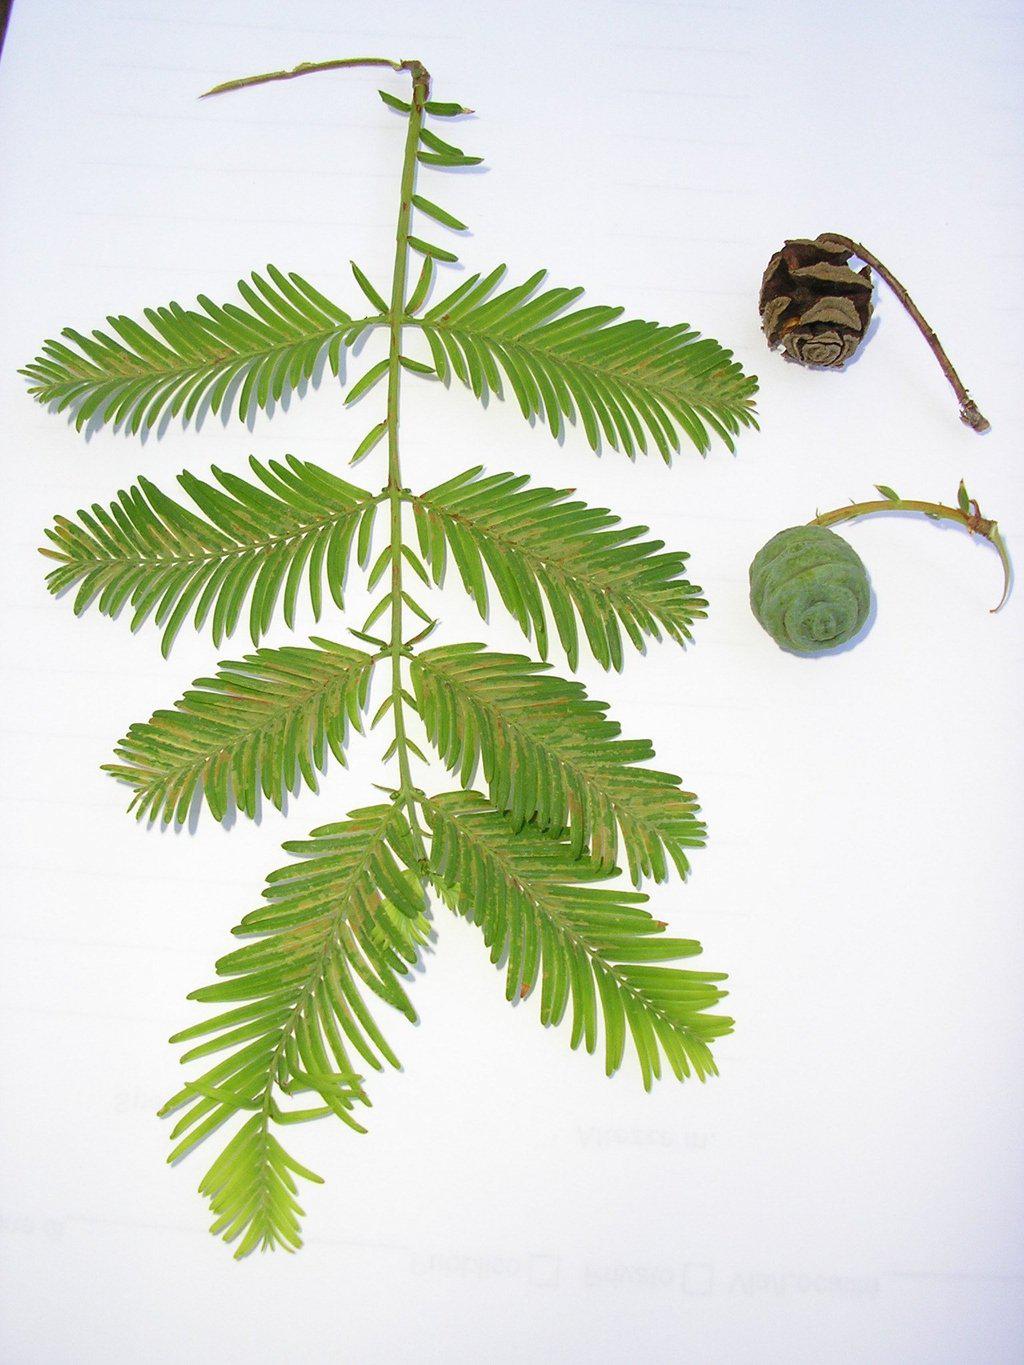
(966, 513)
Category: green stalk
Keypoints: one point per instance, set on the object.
(966, 514)
(420, 94)
(307, 68)
(393, 489)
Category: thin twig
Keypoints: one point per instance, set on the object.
(968, 408)
(416, 70)
(971, 520)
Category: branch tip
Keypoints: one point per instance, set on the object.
(419, 73)
(971, 417)
(996, 538)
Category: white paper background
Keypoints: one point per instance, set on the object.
(849, 1188)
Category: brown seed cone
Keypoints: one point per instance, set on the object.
(813, 303)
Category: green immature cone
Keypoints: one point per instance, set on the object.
(809, 589)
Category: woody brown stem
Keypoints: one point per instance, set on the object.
(968, 408)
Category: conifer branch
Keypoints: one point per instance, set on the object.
(347, 917)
